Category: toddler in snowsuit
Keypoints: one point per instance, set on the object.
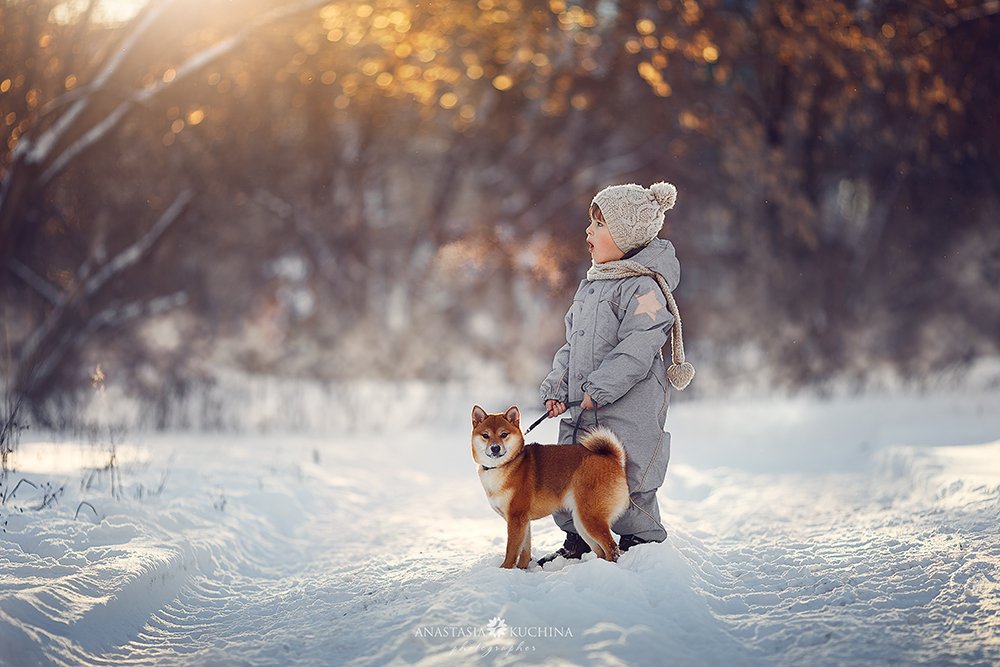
(612, 361)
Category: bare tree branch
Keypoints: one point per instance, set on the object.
(955, 19)
(36, 161)
(35, 281)
(37, 152)
(133, 253)
(114, 315)
(143, 96)
(34, 357)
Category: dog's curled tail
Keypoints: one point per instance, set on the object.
(602, 440)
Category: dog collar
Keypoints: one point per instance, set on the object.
(482, 467)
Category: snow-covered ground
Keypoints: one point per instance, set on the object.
(803, 532)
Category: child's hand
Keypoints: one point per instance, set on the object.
(588, 402)
(554, 407)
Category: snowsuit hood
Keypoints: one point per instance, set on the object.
(660, 256)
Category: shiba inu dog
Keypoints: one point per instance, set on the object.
(526, 482)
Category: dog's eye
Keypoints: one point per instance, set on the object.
(486, 436)
(504, 434)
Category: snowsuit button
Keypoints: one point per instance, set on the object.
(591, 290)
(579, 376)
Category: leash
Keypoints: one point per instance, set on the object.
(571, 404)
(576, 428)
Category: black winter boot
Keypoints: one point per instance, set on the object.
(573, 547)
(626, 542)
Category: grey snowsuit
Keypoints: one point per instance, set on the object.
(615, 330)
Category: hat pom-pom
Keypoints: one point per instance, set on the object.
(680, 375)
(665, 194)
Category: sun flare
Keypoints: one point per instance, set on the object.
(111, 12)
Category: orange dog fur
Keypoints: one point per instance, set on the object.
(526, 482)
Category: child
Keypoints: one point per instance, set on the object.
(621, 316)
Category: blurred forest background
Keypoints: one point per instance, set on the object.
(398, 189)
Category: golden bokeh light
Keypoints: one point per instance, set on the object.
(503, 82)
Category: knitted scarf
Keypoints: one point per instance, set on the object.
(681, 372)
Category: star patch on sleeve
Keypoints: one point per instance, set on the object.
(648, 304)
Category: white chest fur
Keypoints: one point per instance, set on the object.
(499, 498)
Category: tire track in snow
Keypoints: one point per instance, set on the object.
(847, 570)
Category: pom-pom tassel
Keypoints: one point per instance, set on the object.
(680, 375)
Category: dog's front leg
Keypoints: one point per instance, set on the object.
(525, 557)
(516, 525)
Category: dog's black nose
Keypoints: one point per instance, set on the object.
(494, 449)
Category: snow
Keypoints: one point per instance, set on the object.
(848, 532)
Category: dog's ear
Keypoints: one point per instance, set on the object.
(513, 415)
(478, 415)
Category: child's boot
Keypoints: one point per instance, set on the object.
(626, 542)
(573, 547)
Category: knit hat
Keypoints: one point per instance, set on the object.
(634, 215)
